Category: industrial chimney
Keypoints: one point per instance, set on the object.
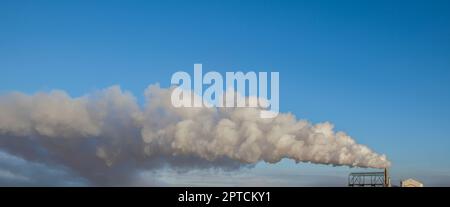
(387, 179)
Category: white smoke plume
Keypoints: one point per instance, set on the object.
(106, 137)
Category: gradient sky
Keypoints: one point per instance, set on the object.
(379, 70)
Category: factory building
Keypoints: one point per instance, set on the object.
(378, 179)
(410, 183)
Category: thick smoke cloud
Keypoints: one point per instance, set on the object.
(107, 138)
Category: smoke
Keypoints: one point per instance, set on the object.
(107, 137)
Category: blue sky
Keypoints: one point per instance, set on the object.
(379, 70)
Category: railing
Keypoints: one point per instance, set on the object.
(366, 179)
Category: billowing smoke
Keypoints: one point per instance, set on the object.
(107, 137)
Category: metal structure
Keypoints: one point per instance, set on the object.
(369, 179)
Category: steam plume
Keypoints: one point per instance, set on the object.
(106, 136)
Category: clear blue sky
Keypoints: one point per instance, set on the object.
(379, 70)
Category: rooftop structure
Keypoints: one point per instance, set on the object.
(369, 179)
(410, 183)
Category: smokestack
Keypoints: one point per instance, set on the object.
(387, 180)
